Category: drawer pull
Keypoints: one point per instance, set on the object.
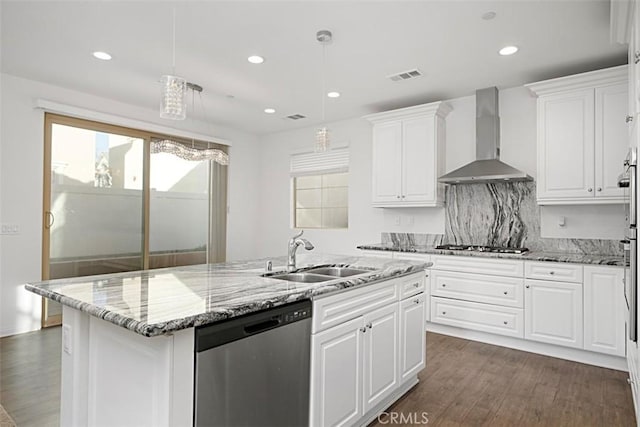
(505, 322)
(552, 272)
(417, 301)
(369, 325)
(444, 312)
(527, 286)
(444, 285)
(363, 330)
(505, 292)
(426, 275)
(416, 285)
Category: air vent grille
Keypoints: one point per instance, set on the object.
(405, 75)
(296, 117)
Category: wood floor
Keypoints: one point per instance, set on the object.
(465, 384)
(30, 377)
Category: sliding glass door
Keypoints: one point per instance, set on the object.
(110, 205)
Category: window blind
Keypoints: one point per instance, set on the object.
(332, 161)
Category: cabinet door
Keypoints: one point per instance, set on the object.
(387, 162)
(566, 145)
(604, 308)
(380, 354)
(412, 336)
(611, 139)
(336, 376)
(553, 312)
(418, 160)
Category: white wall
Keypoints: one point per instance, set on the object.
(518, 148)
(21, 166)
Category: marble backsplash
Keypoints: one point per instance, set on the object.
(498, 214)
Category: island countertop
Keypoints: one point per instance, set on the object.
(161, 301)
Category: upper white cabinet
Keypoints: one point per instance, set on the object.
(582, 137)
(408, 156)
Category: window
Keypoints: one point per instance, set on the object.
(321, 189)
(119, 199)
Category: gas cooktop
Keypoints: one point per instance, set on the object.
(475, 248)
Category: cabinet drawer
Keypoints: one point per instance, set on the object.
(507, 291)
(469, 264)
(412, 286)
(480, 317)
(554, 271)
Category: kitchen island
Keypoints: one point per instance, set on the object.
(128, 338)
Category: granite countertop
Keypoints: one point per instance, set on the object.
(155, 302)
(577, 258)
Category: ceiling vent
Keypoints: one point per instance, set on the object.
(296, 117)
(405, 75)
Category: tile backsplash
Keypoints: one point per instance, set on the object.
(499, 214)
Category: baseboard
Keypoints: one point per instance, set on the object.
(576, 355)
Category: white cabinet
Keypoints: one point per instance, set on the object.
(408, 156)
(553, 312)
(366, 344)
(412, 336)
(582, 137)
(336, 377)
(604, 310)
(381, 349)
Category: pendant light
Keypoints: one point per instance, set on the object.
(324, 37)
(174, 89)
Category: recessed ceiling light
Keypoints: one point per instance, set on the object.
(255, 59)
(488, 16)
(102, 55)
(508, 50)
(333, 94)
(269, 110)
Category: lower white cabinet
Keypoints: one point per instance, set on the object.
(604, 310)
(553, 312)
(380, 355)
(358, 364)
(412, 336)
(336, 376)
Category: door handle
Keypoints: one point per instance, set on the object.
(49, 219)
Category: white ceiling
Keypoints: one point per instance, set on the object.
(448, 41)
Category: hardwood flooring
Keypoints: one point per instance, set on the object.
(30, 377)
(466, 383)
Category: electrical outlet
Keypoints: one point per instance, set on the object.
(10, 229)
(410, 220)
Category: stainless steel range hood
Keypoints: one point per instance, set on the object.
(487, 167)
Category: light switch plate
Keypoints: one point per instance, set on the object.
(10, 229)
(67, 339)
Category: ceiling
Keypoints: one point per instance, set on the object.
(448, 41)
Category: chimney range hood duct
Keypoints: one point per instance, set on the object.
(487, 167)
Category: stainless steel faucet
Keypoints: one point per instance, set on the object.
(294, 242)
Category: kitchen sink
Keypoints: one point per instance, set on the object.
(302, 277)
(337, 271)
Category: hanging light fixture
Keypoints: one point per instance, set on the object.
(322, 134)
(174, 89)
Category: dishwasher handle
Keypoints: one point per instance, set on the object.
(256, 328)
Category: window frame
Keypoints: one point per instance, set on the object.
(293, 192)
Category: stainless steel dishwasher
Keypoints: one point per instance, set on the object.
(254, 370)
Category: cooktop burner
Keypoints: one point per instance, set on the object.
(495, 249)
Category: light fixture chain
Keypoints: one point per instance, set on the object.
(173, 61)
(324, 78)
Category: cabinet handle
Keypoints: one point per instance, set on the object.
(505, 292)
(426, 275)
(397, 197)
(369, 325)
(417, 301)
(599, 189)
(630, 118)
(444, 285)
(403, 196)
(416, 285)
(505, 322)
(552, 272)
(363, 330)
(636, 57)
(444, 312)
(590, 190)
(527, 286)
(629, 381)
